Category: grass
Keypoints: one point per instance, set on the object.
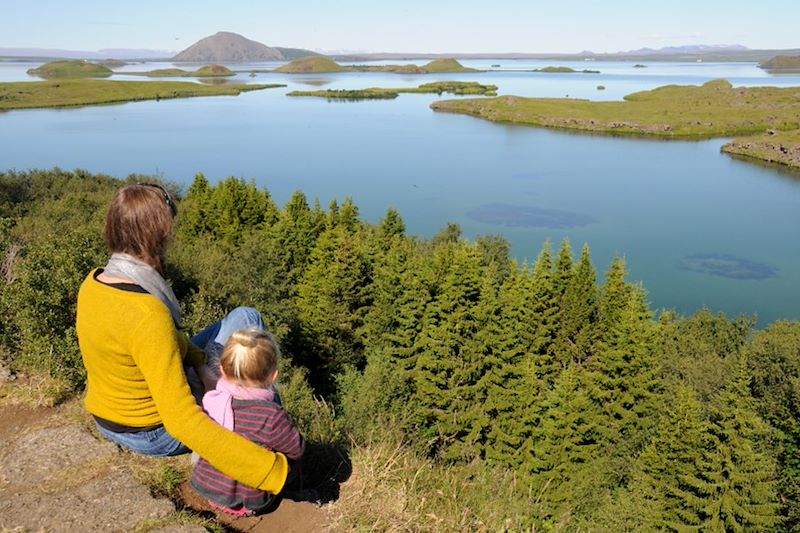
(394, 489)
(715, 109)
(439, 87)
(70, 69)
(782, 147)
(67, 93)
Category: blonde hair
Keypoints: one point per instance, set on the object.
(250, 354)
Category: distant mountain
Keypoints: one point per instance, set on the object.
(230, 47)
(688, 49)
(116, 53)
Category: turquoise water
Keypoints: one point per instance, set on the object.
(696, 227)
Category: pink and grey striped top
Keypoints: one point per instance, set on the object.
(266, 423)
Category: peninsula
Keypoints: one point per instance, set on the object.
(715, 109)
(75, 92)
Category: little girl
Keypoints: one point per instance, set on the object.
(245, 401)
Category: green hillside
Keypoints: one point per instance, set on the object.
(313, 64)
(446, 65)
(70, 69)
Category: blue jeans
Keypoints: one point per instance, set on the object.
(157, 441)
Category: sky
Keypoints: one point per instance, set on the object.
(434, 26)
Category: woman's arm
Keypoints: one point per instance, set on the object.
(157, 353)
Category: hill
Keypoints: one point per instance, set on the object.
(70, 69)
(446, 65)
(234, 48)
(315, 64)
(782, 63)
(208, 71)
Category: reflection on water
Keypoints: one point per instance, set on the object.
(316, 82)
(528, 216)
(218, 81)
(727, 266)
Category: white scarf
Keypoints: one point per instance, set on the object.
(126, 266)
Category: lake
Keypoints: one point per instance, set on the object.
(697, 228)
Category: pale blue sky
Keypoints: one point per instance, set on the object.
(403, 26)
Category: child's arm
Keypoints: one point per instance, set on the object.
(286, 438)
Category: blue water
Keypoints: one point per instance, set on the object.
(697, 227)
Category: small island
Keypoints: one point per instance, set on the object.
(76, 92)
(70, 69)
(208, 71)
(789, 63)
(715, 109)
(639, 65)
(439, 87)
(319, 65)
(565, 70)
(311, 65)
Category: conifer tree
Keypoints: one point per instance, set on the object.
(739, 486)
(448, 323)
(333, 298)
(668, 472)
(578, 312)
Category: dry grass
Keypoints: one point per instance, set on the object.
(394, 489)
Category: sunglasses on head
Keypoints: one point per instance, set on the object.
(167, 198)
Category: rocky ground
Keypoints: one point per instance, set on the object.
(57, 475)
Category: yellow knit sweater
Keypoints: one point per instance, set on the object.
(134, 362)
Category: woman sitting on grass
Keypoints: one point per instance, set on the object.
(244, 401)
(129, 332)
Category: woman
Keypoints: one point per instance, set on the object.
(128, 325)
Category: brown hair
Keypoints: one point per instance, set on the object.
(139, 223)
(250, 355)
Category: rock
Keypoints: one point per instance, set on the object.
(63, 479)
(114, 503)
(41, 454)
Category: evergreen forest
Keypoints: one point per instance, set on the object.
(471, 392)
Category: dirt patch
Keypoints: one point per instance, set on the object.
(288, 517)
(16, 417)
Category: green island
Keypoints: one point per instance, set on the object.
(782, 147)
(68, 93)
(639, 65)
(318, 65)
(378, 93)
(715, 109)
(782, 63)
(71, 69)
(565, 70)
(208, 71)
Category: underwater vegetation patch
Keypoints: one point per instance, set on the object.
(727, 266)
(516, 216)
